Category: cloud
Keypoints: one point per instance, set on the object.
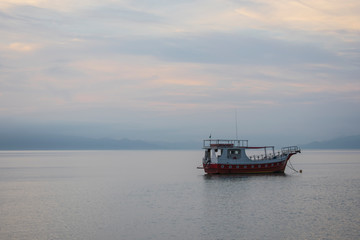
(223, 48)
(180, 82)
(22, 47)
(305, 15)
(120, 13)
(182, 65)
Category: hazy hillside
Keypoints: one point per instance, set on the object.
(32, 140)
(10, 140)
(349, 142)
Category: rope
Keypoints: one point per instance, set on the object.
(291, 167)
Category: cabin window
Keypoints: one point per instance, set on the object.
(234, 153)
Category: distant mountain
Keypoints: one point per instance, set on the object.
(32, 141)
(349, 142)
(21, 139)
(10, 140)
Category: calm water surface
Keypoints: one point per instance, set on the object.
(161, 195)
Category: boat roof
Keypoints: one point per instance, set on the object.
(226, 143)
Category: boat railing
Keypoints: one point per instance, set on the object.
(219, 143)
(262, 157)
(290, 149)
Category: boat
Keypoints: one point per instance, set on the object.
(230, 156)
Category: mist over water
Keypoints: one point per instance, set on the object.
(161, 195)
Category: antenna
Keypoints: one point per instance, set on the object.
(236, 124)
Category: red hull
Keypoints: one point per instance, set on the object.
(278, 167)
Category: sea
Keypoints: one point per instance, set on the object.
(159, 195)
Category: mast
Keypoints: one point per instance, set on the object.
(236, 127)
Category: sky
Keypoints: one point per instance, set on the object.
(285, 72)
